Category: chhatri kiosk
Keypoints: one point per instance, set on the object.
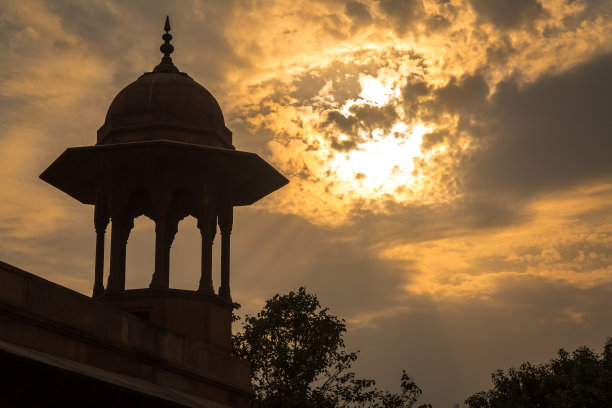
(164, 152)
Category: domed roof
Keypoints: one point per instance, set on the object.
(164, 133)
(165, 105)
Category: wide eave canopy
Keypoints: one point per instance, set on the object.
(80, 171)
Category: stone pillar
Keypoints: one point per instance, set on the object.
(101, 220)
(226, 216)
(208, 228)
(120, 232)
(165, 231)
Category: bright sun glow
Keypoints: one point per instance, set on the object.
(382, 165)
(358, 161)
(376, 91)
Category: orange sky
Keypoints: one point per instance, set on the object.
(451, 180)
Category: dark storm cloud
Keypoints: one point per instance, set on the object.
(434, 138)
(402, 13)
(344, 145)
(370, 117)
(415, 86)
(341, 122)
(362, 118)
(412, 94)
(507, 14)
(307, 87)
(592, 9)
(498, 53)
(466, 94)
(551, 134)
(437, 22)
(359, 14)
(413, 223)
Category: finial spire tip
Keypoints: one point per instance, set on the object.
(166, 48)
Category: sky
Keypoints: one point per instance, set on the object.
(450, 164)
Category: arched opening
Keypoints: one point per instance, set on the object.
(185, 256)
(140, 258)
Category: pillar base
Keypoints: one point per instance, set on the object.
(200, 316)
(98, 290)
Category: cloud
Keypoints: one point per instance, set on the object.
(464, 95)
(441, 341)
(307, 87)
(274, 253)
(434, 138)
(499, 53)
(363, 119)
(359, 14)
(489, 245)
(468, 235)
(550, 134)
(402, 13)
(508, 13)
(437, 22)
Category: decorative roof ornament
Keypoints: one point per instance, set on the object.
(166, 48)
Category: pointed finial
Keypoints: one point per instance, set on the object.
(166, 48)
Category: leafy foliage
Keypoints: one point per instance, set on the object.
(580, 379)
(298, 359)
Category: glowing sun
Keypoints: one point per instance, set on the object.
(382, 165)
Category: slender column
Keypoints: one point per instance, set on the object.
(165, 231)
(225, 225)
(120, 232)
(100, 222)
(208, 228)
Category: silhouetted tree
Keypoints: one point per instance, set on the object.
(298, 359)
(580, 379)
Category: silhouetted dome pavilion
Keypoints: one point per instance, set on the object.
(164, 152)
(165, 105)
